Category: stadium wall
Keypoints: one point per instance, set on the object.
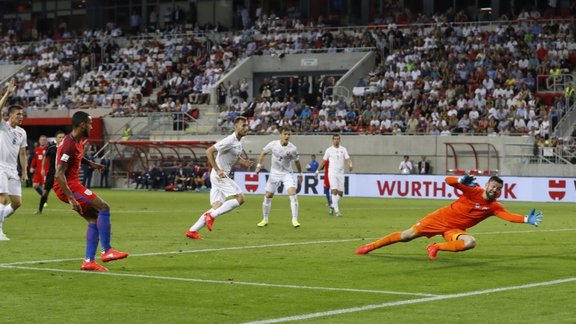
(383, 154)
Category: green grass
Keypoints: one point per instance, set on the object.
(242, 273)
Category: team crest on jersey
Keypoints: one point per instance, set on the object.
(65, 157)
(557, 189)
(88, 192)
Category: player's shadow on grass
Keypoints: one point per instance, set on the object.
(498, 262)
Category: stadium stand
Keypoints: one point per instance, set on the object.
(434, 75)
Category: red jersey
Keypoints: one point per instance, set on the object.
(71, 152)
(36, 163)
(471, 208)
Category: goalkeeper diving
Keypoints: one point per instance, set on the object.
(475, 205)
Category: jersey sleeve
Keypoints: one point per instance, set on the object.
(24, 143)
(453, 181)
(500, 212)
(346, 155)
(268, 148)
(326, 155)
(224, 145)
(68, 151)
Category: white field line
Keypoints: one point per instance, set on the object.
(411, 301)
(193, 251)
(428, 297)
(265, 246)
(227, 282)
(145, 210)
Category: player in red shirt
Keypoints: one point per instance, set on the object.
(475, 205)
(36, 165)
(68, 188)
(327, 192)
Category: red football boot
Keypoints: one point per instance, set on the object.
(112, 255)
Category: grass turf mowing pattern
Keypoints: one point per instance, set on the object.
(292, 265)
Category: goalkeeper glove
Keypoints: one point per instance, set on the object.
(534, 218)
(468, 180)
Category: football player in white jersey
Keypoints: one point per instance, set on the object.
(338, 158)
(13, 143)
(222, 156)
(283, 154)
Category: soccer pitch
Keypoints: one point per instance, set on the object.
(240, 273)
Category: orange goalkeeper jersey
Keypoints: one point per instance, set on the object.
(471, 208)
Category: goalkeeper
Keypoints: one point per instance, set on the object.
(475, 205)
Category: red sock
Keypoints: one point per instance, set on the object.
(387, 240)
(454, 246)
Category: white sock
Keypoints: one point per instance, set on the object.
(200, 222)
(335, 199)
(226, 207)
(294, 206)
(266, 206)
(8, 210)
(2, 207)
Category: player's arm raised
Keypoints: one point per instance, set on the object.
(464, 183)
(10, 88)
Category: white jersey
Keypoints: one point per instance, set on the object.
(282, 157)
(405, 167)
(229, 149)
(336, 157)
(11, 141)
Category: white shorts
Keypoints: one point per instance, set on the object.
(222, 188)
(10, 183)
(274, 182)
(336, 181)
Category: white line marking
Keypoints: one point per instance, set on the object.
(199, 212)
(267, 246)
(228, 282)
(412, 301)
(194, 251)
